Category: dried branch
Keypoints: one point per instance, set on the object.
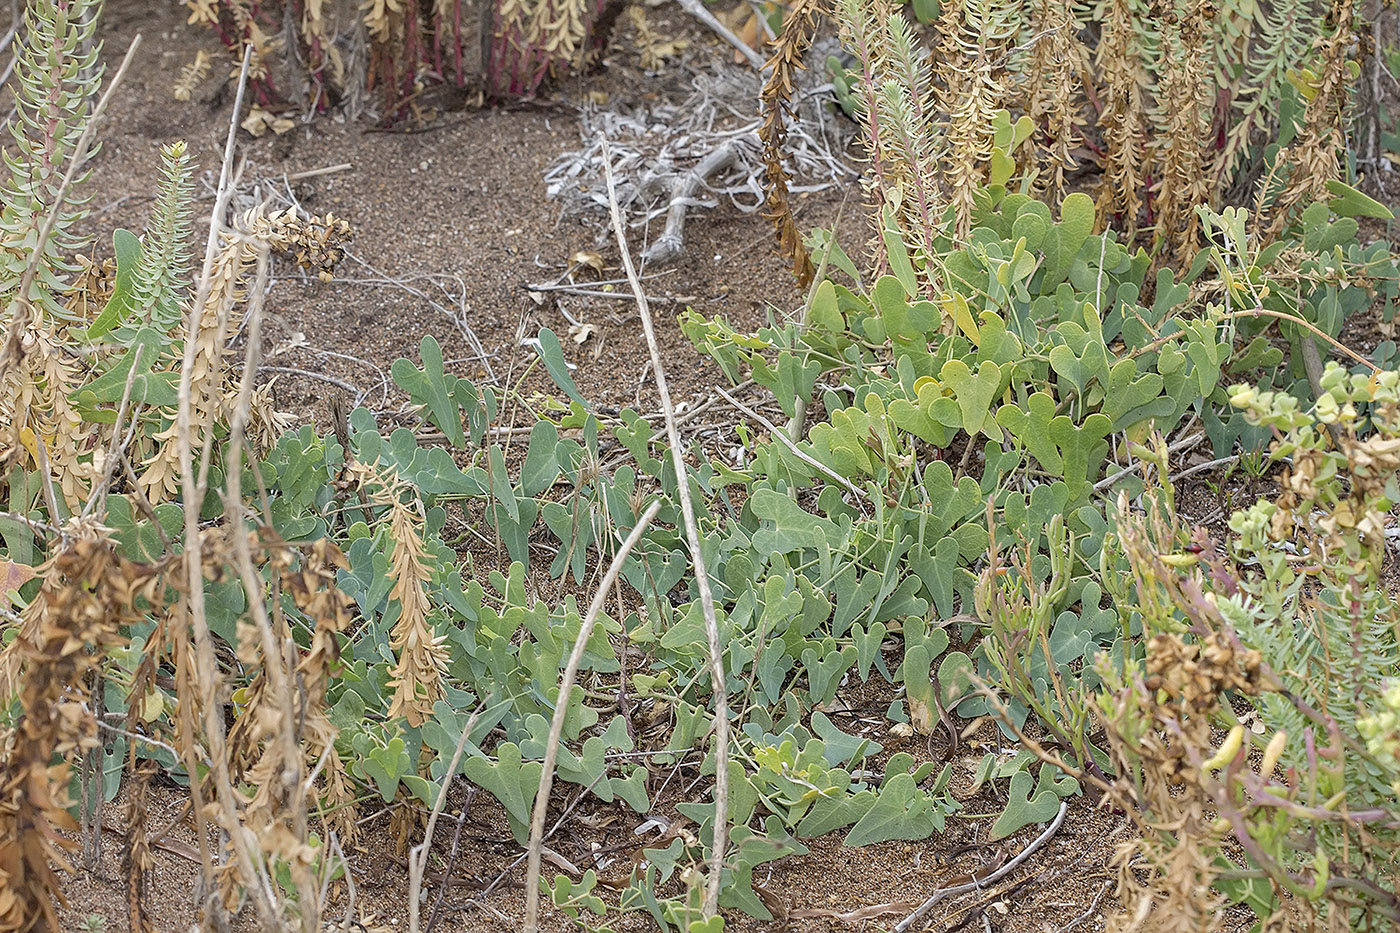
(702, 578)
(561, 707)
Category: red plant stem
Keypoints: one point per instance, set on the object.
(457, 40)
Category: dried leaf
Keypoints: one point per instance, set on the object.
(13, 575)
(587, 257)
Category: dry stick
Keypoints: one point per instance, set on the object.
(672, 240)
(1108, 481)
(97, 501)
(788, 442)
(944, 893)
(317, 172)
(698, 10)
(561, 708)
(193, 494)
(418, 856)
(1265, 312)
(277, 662)
(1203, 467)
(692, 534)
(19, 317)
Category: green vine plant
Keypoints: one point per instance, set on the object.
(937, 519)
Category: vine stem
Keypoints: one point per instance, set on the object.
(719, 682)
(561, 707)
(1265, 312)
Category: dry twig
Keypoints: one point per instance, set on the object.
(702, 578)
(944, 893)
(193, 492)
(561, 707)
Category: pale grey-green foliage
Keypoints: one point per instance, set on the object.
(163, 271)
(56, 81)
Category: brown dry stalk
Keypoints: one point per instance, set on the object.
(314, 244)
(417, 677)
(36, 407)
(1182, 123)
(1160, 731)
(1313, 159)
(1124, 117)
(277, 811)
(977, 43)
(216, 317)
(313, 587)
(89, 592)
(799, 27)
(1058, 65)
(137, 860)
(718, 680)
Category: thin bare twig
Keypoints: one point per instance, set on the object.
(1186, 442)
(1203, 467)
(317, 172)
(698, 10)
(945, 893)
(797, 452)
(418, 857)
(561, 707)
(702, 577)
(193, 492)
(97, 500)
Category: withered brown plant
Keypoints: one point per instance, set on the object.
(534, 39)
(89, 593)
(272, 745)
(799, 26)
(315, 245)
(418, 675)
(1314, 158)
(137, 859)
(977, 40)
(1160, 731)
(1181, 126)
(1055, 74)
(1123, 121)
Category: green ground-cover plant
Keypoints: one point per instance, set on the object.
(868, 533)
(935, 514)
